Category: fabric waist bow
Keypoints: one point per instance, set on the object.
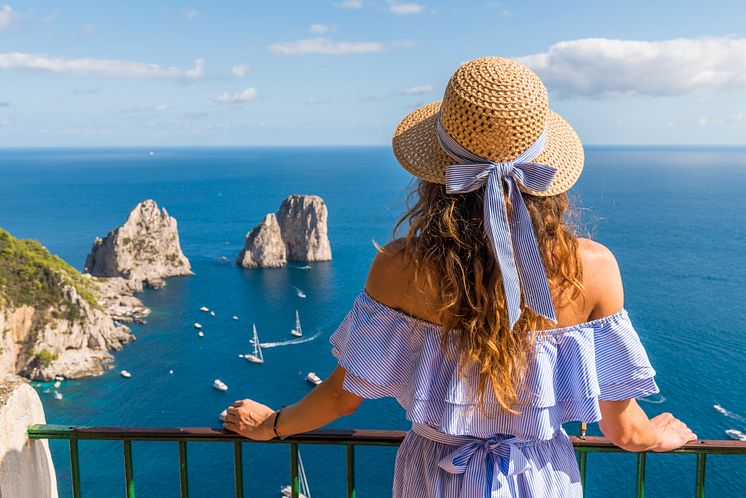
(480, 460)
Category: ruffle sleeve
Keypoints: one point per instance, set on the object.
(387, 353)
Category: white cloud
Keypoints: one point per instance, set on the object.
(403, 9)
(98, 67)
(246, 95)
(191, 14)
(737, 117)
(349, 4)
(161, 108)
(602, 67)
(418, 90)
(326, 46)
(240, 70)
(319, 28)
(7, 17)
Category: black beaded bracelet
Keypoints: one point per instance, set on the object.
(274, 424)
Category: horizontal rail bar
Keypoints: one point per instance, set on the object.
(337, 437)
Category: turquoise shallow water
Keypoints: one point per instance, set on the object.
(675, 218)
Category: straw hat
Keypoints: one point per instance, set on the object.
(495, 108)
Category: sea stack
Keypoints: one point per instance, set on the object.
(144, 250)
(302, 220)
(298, 232)
(263, 247)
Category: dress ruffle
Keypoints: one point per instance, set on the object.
(387, 353)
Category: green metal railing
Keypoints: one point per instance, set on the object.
(348, 438)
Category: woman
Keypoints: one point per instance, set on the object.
(490, 322)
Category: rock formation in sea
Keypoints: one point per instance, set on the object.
(263, 247)
(303, 222)
(298, 232)
(55, 321)
(144, 250)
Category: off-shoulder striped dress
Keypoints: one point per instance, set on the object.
(456, 450)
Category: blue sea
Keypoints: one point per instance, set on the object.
(674, 217)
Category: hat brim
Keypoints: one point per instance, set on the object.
(417, 149)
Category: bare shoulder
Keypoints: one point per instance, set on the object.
(601, 278)
(389, 274)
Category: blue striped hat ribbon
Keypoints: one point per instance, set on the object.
(513, 240)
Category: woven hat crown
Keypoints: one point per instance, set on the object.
(494, 107)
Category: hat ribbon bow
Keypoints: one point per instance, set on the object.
(512, 238)
(480, 460)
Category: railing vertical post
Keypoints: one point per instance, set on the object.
(294, 484)
(129, 478)
(582, 461)
(183, 470)
(701, 463)
(238, 468)
(640, 489)
(350, 471)
(75, 466)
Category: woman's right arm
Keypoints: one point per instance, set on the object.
(623, 422)
(626, 425)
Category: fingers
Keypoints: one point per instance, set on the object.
(232, 417)
(231, 426)
(237, 403)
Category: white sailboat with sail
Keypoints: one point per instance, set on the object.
(256, 356)
(297, 331)
(303, 490)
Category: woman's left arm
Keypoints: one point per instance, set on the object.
(323, 405)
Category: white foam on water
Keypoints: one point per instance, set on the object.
(655, 400)
(736, 434)
(290, 342)
(729, 414)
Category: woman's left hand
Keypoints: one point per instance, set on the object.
(246, 417)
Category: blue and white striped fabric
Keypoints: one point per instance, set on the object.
(513, 240)
(387, 353)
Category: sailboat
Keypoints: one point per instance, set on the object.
(297, 331)
(256, 356)
(303, 490)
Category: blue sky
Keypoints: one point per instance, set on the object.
(324, 72)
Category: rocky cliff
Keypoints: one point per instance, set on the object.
(303, 222)
(144, 250)
(298, 232)
(263, 247)
(53, 320)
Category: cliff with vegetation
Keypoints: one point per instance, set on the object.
(53, 320)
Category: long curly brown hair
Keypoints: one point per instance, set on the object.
(452, 255)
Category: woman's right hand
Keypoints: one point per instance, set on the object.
(672, 432)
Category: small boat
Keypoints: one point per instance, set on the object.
(212, 313)
(313, 378)
(200, 334)
(59, 377)
(297, 331)
(235, 317)
(171, 372)
(256, 356)
(197, 325)
(300, 293)
(57, 383)
(219, 385)
(204, 309)
(125, 374)
(304, 491)
(57, 395)
(736, 434)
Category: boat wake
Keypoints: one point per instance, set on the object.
(299, 292)
(730, 414)
(736, 434)
(655, 400)
(291, 342)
